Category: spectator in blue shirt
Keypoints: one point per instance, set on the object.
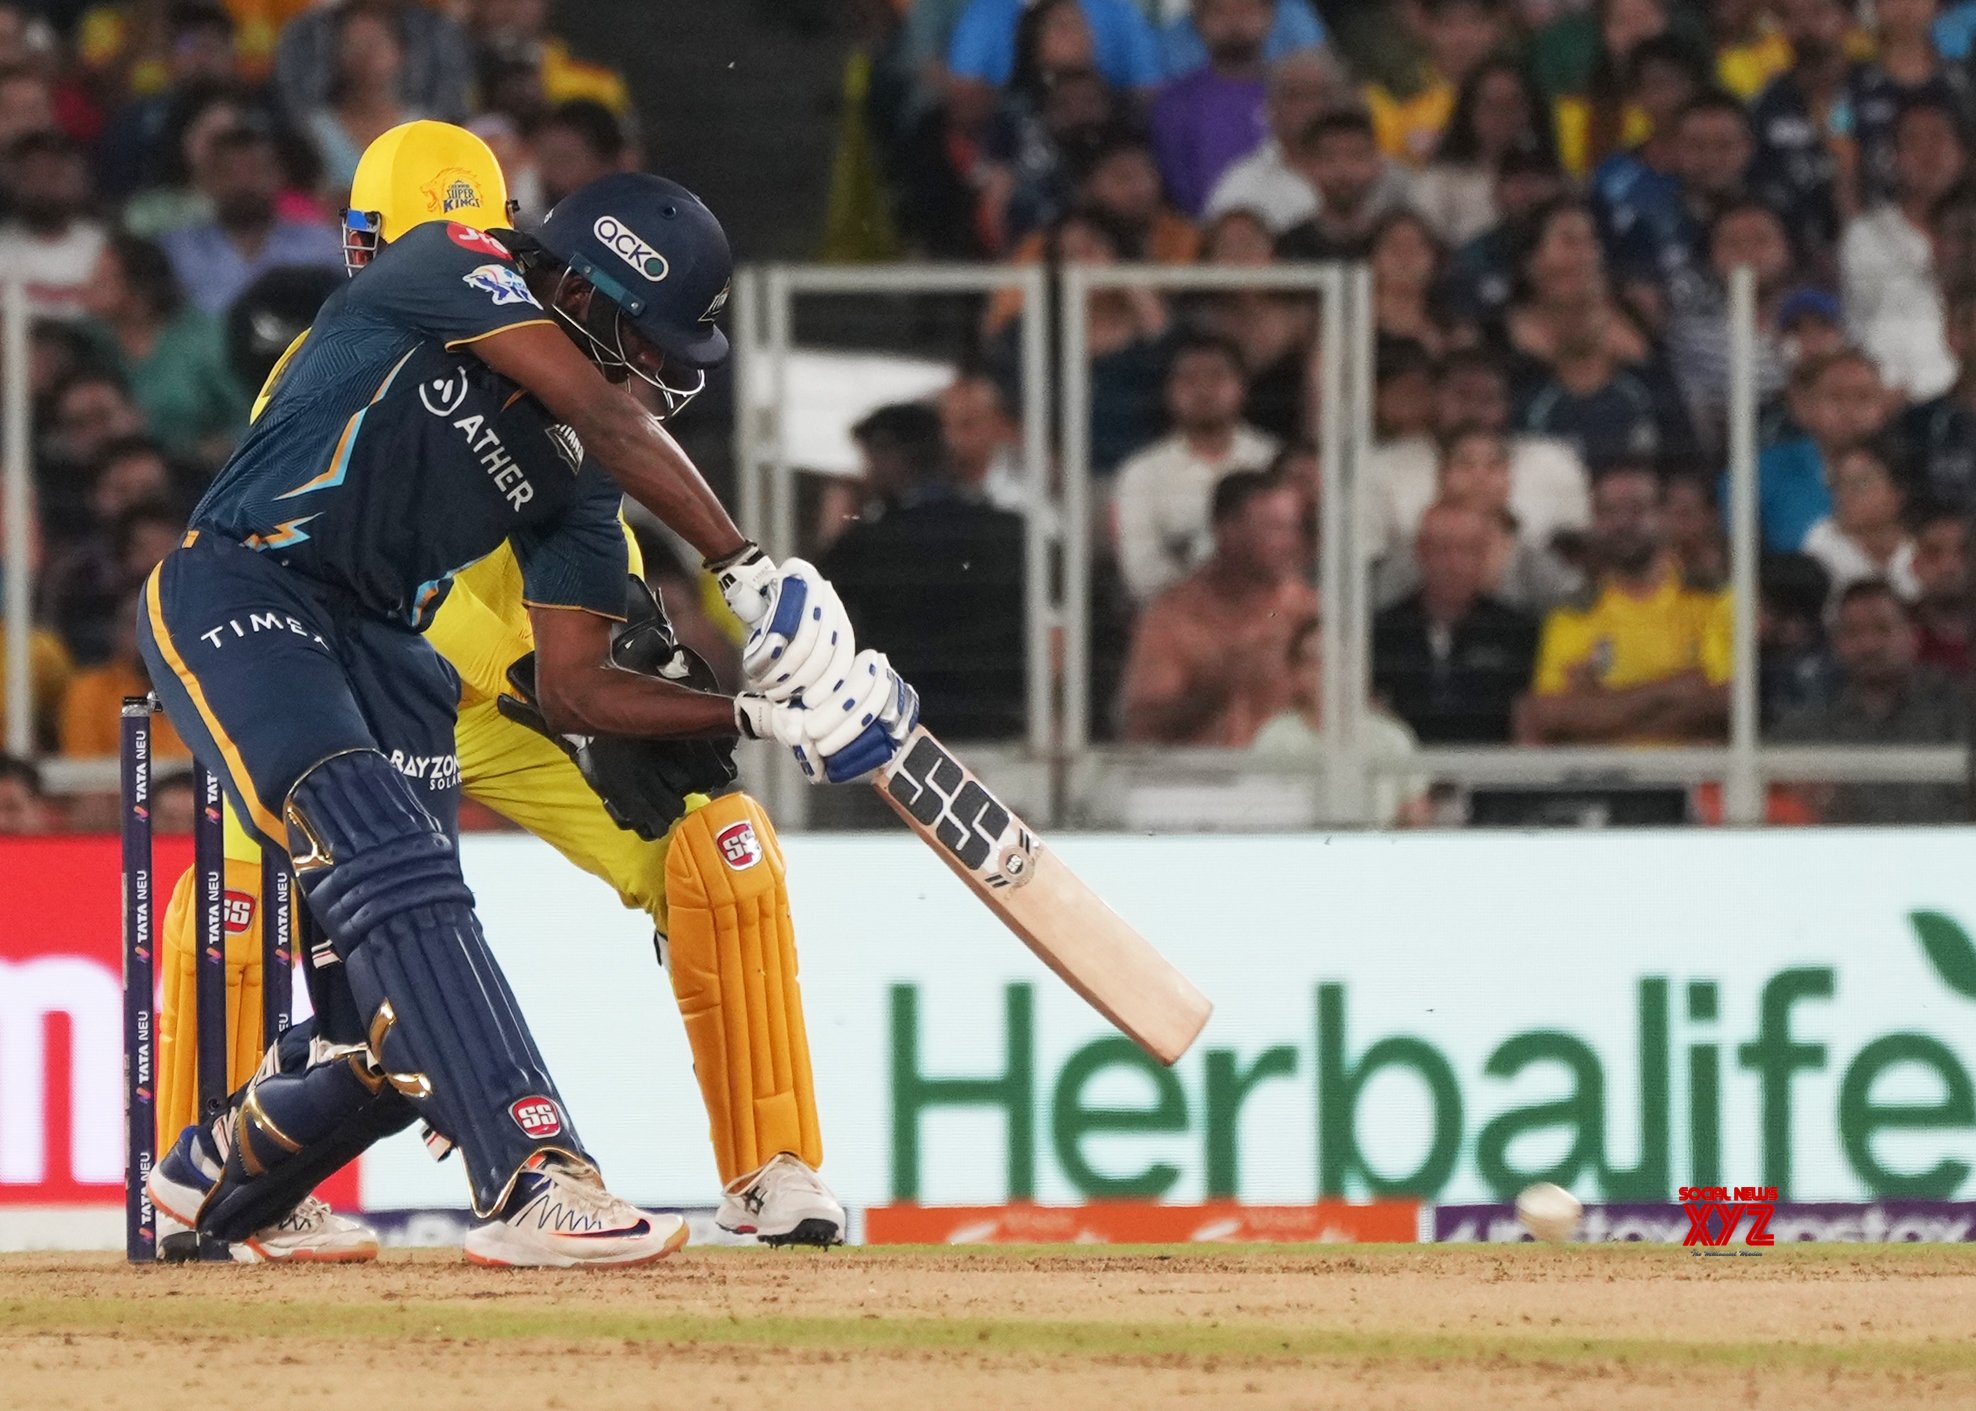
(1296, 28)
(216, 259)
(982, 51)
(1639, 190)
(1955, 31)
(1801, 119)
(1907, 69)
(1939, 436)
(1612, 413)
(1664, 245)
(1841, 403)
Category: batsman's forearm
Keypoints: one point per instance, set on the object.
(606, 701)
(652, 469)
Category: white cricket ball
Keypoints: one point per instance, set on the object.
(1549, 1212)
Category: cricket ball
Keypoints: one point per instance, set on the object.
(1549, 1212)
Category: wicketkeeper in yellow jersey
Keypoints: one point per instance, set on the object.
(642, 815)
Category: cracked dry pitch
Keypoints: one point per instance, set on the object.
(1478, 1329)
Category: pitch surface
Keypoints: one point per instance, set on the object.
(1399, 1326)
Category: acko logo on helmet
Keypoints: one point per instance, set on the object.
(629, 246)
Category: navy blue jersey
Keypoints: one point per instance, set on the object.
(390, 456)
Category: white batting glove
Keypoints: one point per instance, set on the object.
(745, 578)
(857, 722)
(759, 718)
(802, 641)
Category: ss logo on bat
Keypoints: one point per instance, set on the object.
(966, 819)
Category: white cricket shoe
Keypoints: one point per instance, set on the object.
(311, 1233)
(561, 1217)
(784, 1202)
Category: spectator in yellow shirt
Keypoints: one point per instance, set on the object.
(49, 667)
(1644, 656)
(90, 721)
(1458, 35)
(518, 30)
(1751, 50)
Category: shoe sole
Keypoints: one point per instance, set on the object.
(363, 1254)
(818, 1234)
(674, 1243)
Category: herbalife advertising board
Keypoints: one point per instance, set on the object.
(1447, 1016)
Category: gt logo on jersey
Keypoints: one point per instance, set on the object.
(452, 190)
(739, 848)
(537, 1116)
(478, 241)
(502, 283)
(629, 246)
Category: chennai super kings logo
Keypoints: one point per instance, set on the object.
(452, 190)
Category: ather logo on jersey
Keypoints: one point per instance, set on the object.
(442, 395)
(629, 246)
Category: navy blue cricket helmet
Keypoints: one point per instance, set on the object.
(657, 254)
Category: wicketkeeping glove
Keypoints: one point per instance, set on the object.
(642, 782)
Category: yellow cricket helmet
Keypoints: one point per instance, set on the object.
(421, 171)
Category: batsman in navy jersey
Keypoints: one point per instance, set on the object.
(442, 405)
(389, 457)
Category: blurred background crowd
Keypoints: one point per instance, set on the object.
(1550, 196)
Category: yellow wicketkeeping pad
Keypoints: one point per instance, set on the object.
(732, 958)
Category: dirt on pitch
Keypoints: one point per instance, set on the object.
(1468, 1328)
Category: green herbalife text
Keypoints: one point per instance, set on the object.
(1780, 1041)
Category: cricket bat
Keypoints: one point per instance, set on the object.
(1091, 948)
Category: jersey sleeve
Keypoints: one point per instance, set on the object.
(447, 281)
(579, 560)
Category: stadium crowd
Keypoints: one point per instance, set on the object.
(172, 177)
(1551, 196)
(1549, 193)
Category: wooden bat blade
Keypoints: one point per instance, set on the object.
(1071, 930)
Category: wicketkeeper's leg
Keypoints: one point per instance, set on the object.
(731, 954)
(733, 965)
